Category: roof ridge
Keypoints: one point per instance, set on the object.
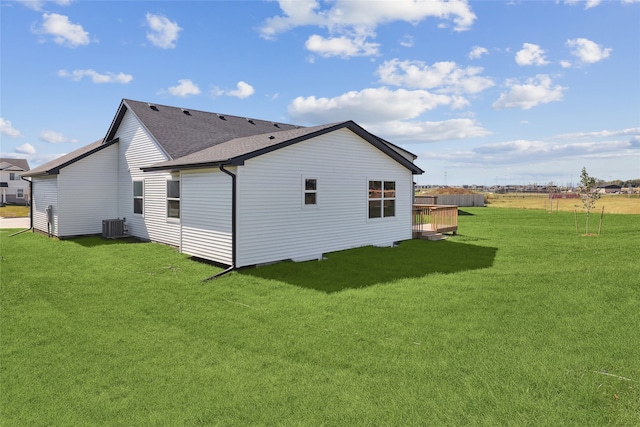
(173, 107)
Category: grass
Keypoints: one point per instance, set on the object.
(516, 321)
(14, 211)
(612, 203)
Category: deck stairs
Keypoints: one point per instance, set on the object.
(432, 235)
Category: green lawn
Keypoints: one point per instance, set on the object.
(516, 321)
(14, 211)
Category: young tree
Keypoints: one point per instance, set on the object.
(588, 191)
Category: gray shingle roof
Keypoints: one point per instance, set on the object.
(239, 149)
(22, 164)
(54, 166)
(181, 132)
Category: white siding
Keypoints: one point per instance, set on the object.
(45, 193)
(10, 192)
(88, 193)
(273, 223)
(137, 149)
(205, 210)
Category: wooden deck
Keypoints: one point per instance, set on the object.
(433, 220)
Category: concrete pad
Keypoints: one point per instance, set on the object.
(21, 223)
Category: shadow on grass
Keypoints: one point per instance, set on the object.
(368, 266)
(94, 241)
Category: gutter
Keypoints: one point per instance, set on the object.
(30, 208)
(232, 267)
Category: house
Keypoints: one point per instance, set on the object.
(610, 189)
(15, 191)
(229, 189)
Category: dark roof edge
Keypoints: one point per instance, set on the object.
(115, 123)
(385, 147)
(56, 169)
(203, 165)
(117, 120)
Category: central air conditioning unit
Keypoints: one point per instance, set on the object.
(114, 228)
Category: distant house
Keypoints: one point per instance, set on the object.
(14, 190)
(610, 188)
(230, 189)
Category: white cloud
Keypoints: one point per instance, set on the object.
(243, 90)
(164, 33)
(366, 106)
(530, 54)
(536, 151)
(54, 137)
(347, 13)
(25, 148)
(588, 4)
(601, 134)
(63, 31)
(477, 52)
(96, 77)
(417, 131)
(445, 77)
(587, 51)
(185, 87)
(7, 129)
(37, 4)
(406, 41)
(351, 23)
(535, 91)
(343, 46)
(388, 113)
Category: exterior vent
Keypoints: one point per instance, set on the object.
(251, 121)
(114, 228)
(153, 107)
(221, 117)
(186, 112)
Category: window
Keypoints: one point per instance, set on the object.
(138, 194)
(13, 176)
(173, 199)
(382, 199)
(20, 193)
(310, 191)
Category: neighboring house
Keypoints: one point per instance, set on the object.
(228, 189)
(610, 188)
(15, 191)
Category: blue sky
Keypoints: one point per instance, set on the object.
(484, 92)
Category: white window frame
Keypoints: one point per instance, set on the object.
(20, 193)
(14, 176)
(140, 197)
(382, 198)
(173, 199)
(305, 192)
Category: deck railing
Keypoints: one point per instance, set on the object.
(435, 218)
